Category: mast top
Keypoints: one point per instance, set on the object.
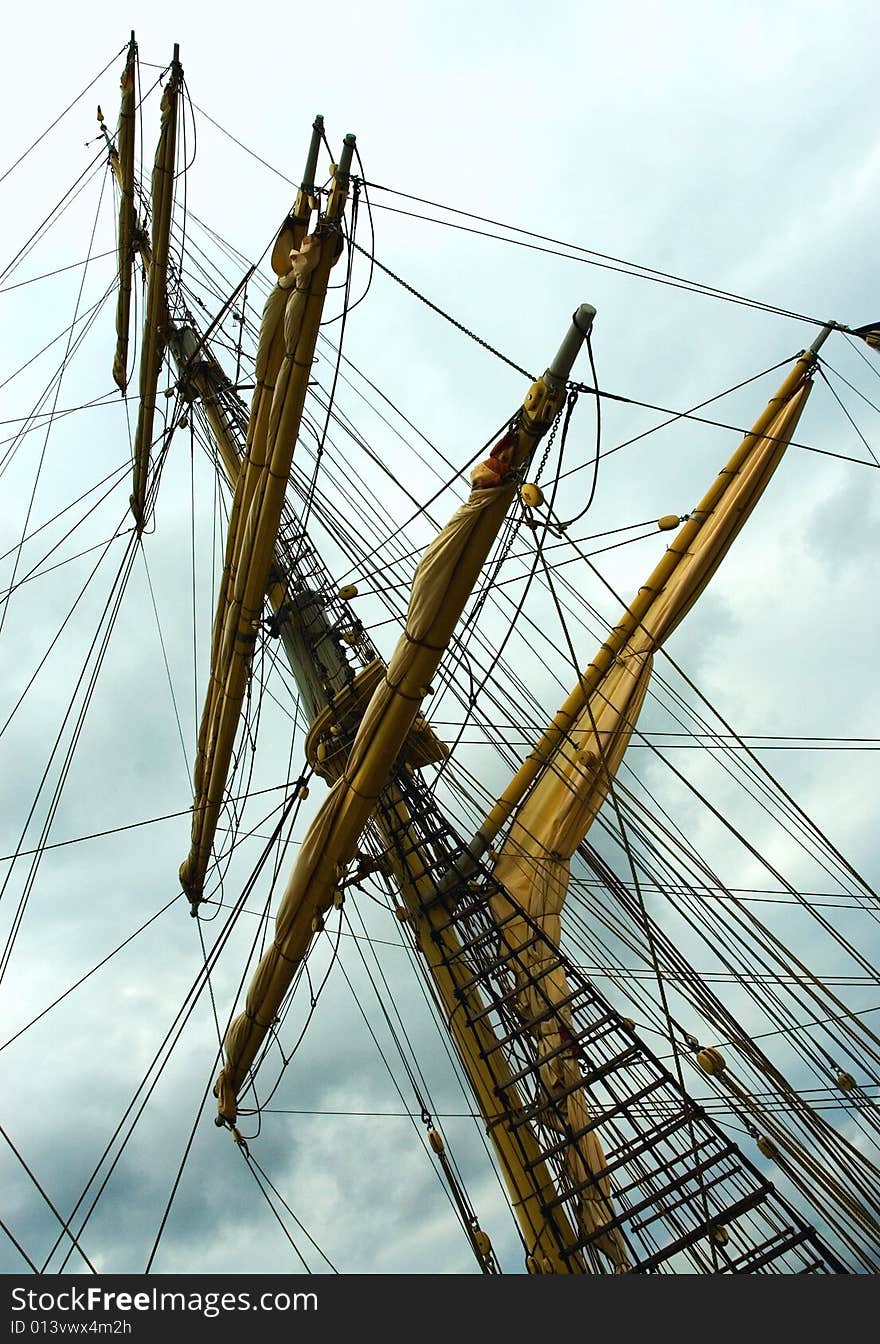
(307, 185)
(581, 324)
(820, 339)
(344, 166)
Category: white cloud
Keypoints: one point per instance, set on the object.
(733, 146)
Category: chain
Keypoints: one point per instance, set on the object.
(441, 313)
(550, 437)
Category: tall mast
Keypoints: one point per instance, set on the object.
(122, 162)
(156, 316)
(289, 332)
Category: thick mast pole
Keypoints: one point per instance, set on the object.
(156, 317)
(287, 345)
(122, 163)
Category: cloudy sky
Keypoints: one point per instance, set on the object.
(733, 146)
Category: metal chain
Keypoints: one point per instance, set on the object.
(441, 313)
(550, 437)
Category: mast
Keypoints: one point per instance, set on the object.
(156, 317)
(665, 598)
(288, 335)
(122, 162)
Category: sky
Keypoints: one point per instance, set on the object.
(733, 146)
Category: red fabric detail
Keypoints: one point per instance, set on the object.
(498, 463)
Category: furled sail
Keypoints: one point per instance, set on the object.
(577, 760)
(288, 335)
(870, 334)
(442, 584)
(664, 600)
(156, 316)
(124, 168)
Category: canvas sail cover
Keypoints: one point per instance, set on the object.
(156, 317)
(554, 819)
(127, 219)
(692, 579)
(870, 334)
(285, 351)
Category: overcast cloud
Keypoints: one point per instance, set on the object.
(737, 146)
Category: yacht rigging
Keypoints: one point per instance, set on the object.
(608, 1162)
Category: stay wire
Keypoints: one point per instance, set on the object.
(431, 1000)
(99, 965)
(563, 527)
(447, 1193)
(59, 270)
(117, 471)
(273, 1037)
(175, 1186)
(15, 441)
(253, 153)
(251, 1159)
(715, 424)
(423, 1082)
(358, 182)
(168, 676)
(92, 168)
(109, 614)
(45, 1197)
(823, 375)
(253, 1168)
(871, 363)
(158, 1063)
(852, 387)
(61, 115)
(18, 1246)
(635, 269)
(600, 259)
(37, 571)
